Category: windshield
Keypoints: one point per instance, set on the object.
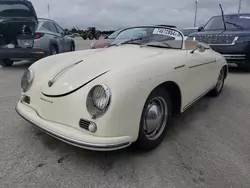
(151, 35)
(233, 22)
(187, 32)
(114, 34)
(14, 9)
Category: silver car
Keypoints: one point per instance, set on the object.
(52, 38)
(25, 37)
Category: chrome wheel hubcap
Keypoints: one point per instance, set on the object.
(155, 118)
(220, 80)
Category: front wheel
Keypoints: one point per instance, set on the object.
(72, 48)
(219, 85)
(6, 63)
(154, 119)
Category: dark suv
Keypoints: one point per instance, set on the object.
(18, 22)
(230, 37)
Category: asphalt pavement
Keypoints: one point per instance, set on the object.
(206, 147)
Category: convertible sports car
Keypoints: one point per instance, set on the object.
(109, 98)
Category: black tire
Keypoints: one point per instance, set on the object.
(53, 49)
(144, 142)
(72, 48)
(6, 63)
(219, 85)
(91, 37)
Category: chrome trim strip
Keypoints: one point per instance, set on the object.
(76, 142)
(235, 57)
(65, 94)
(232, 44)
(202, 64)
(179, 67)
(51, 82)
(196, 99)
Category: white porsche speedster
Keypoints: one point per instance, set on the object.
(107, 99)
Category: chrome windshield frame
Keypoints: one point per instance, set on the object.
(156, 26)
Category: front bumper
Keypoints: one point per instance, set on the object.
(239, 53)
(70, 135)
(22, 53)
(239, 59)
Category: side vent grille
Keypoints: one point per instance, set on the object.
(26, 99)
(84, 124)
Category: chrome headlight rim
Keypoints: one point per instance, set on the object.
(28, 79)
(94, 110)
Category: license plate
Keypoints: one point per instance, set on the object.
(25, 43)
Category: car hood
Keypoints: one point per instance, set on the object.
(72, 71)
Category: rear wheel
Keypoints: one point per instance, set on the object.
(91, 37)
(97, 37)
(6, 63)
(154, 119)
(219, 85)
(53, 49)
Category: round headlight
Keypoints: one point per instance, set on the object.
(98, 100)
(27, 80)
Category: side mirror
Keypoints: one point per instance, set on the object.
(200, 47)
(200, 28)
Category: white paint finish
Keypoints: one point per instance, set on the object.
(134, 72)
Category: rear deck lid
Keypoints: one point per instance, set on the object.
(17, 9)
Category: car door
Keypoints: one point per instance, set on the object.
(58, 36)
(197, 79)
(67, 39)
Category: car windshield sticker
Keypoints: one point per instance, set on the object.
(244, 17)
(166, 32)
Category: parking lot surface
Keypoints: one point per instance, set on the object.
(207, 146)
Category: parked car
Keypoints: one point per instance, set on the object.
(18, 21)
(96, 100)
(101, 43)
(25, 37)
(232, 40)
(189, 30)
(52, 38)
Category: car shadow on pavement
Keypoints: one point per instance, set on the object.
(237, 70)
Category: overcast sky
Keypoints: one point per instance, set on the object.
(112, 14)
